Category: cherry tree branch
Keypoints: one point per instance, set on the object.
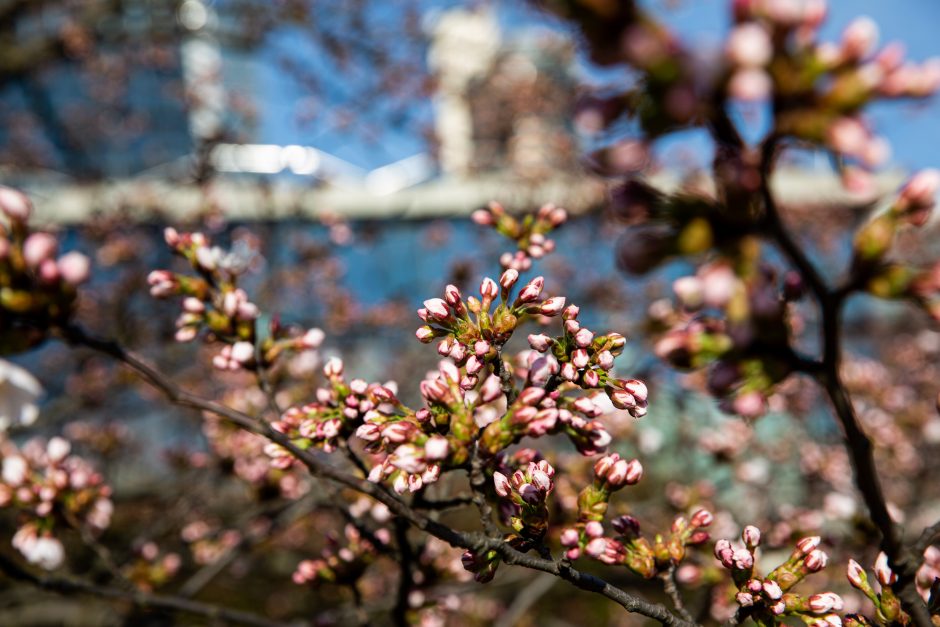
(473, 541)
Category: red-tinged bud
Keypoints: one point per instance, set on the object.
(859, 38)
(698, 537)
(542, 369)
(172, 237)
(48, 272)
(724, 552)
(570, 538)
(557, 216)
(573, 553)
(15, 205)
(39, 247)
(488, 290)
(398, 432)
(702, 518)
(754, 585)
(580, 358)
(772, 590)
(369, 432)
(587, 407)
(806, 545)
(920, 192)
(778, 608)
(491, 389)
(634, 472)
(474, 365)
(571, 312)
(856, 575)
(74, 267)
(622, 399)
(680, 524)
(444, 347)
(469, 382)
(636, 388)
(552, 306)
(569, 372)
(508, 279)
(743, 560)
(449, 371)
(605, 360)
(437, 309)
(591, 379)
(452, 295)
(825, 602)
(458, 353)
(744, 599)
(501, 482)
(816, 561)
(596, 547)
(583, 338)
(594, 529)
(425, 334)
(883, 571)
(751, 536)
(604, 464)
(572, 326)
(482, 217)
(627, 526)
(540, 342)
(541, 480)
(333, 368)
(423, 314)
(481, 348)
(532, 291)
(531, 396)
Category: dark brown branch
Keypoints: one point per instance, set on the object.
(669, 586)
(458, 539)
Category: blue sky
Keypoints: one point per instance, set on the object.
(912, 128)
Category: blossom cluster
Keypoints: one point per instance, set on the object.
(37, 285)
(213, 302)
(530, 233)
(52, 488)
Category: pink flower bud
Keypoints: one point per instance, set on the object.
(488, 289)
(481, 348)
(634, 472)
(583, 338)
(636, 388)
(74, 267)
(605, 360)
(15, 205)
(474, 365)
(57, 449)
(572, 326)
(580, 358)
(751, 536)
(702, 518)
(743, 560)
(744, 599)
(596, 547)
(591, 379)
(825, 602)
(48, 271)
(313, 338)
(243, 352)
(509, 278)
(569, 372)
(859, 38)
(570, 538)
(806, 545)
(571, 312)
(883, 571)
(437, 308)
(424, 334)
(540, 342)
(491, 389)
(541, 480)
(816, 561)
(436, 448)
(772, 590)
(333, 368)
(778, 608)
(594, 529)
(552, 306)
(452, 295)
(531, 396)
(856, 575)
(171, 236)
(532, 291)
(482, 217)
(622, 399)
(750, 85)
(39, 247)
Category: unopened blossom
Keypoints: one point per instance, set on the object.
(19, 396)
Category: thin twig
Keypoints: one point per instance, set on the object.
(669, 585)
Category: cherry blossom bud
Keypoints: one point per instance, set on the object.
(571, 312)
(436, 448)
(488, 289)
(725, 553)
(425, 334)
(856, 575)
(74, 267)
(744, 599)
(553, 306)
(883, 572)
(509, 278)
(772, 590)
(572, 326)
(474, 365)
(603, 466)
(622, 399)
(171, 236)
(825, 602)
(458, 352)
(481, 348)
(816, 561)
(751, 536)
(531, 396)
(570, 537)
(437, 308)
(532, 291)
(806, 545)
(569, 372)
(702, 518)
(636, 388)
(583, 338)
(452, 295)
(541, 480)
(596, 547)
(591, 379)
(542, 369)
(39, 247)
(14, 470)
(491, 389)
(482, 217)
(14, 204)
(580, 358)
(749, 45)
(594, 529)
(605, 359)
(743, 560)
(750, 85)
(333, 368)
(540, 342)
(859, 38)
